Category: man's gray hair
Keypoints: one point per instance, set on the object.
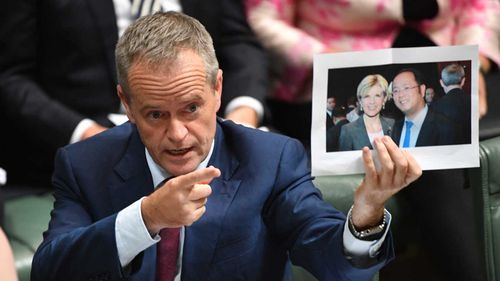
(452, 74)
(158, 38)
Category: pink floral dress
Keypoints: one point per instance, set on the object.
(298, 29)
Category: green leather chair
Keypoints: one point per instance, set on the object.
(486, 183)
(25, 220)
(27, 217)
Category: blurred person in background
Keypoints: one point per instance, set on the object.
(330, 106)
(58, 80)
(333, 134)
(295, 30)
(430, 94)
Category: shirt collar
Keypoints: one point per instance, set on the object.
(159, 174)
(419, 118)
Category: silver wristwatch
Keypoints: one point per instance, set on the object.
(372, 233)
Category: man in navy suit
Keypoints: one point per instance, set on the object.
(242, 200)
(421, 126)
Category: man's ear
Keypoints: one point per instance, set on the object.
(126, 102)
(442, 83)
(462, 83)
(422, 90)
(218, 88)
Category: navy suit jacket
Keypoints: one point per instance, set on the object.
(436, 130)
(353, 136)
(264, 211)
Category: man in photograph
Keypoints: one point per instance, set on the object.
(421, 126)
(455, 104)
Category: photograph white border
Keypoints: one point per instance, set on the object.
(429, 157)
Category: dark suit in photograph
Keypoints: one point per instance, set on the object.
(329, 121)
(333, 135)
(264, 212)
(57, 67)
(436, 130)
(353, 136)
(456, 106)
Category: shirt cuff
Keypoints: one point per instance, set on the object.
(360, 248)
(132, 236)
(246, 101)
(80, 129)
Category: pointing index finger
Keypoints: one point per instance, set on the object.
(203, 176)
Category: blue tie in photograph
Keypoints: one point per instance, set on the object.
(406, 142)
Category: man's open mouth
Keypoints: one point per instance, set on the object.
(180, 151)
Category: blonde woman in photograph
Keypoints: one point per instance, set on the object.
(372, 95)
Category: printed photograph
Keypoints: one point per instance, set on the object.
(423, 101)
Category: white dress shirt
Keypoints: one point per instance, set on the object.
(132, 236)
(418, 121)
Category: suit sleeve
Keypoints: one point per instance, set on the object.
(242, 58)
(76, 245)
(22, 99)
(311, 229)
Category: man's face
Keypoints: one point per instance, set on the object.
(429, 95)
(330, 104)
(174, 108)
(408, 95)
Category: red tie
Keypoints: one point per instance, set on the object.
(166, 257)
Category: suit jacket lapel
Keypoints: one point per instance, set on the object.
(105, 18)
(132, 178)
(396, 132)
(362, 132)
(131, 181)
(386, 126)
(201, 238)
(427, 132)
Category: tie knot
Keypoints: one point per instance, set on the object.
(164, 181)
(409, 124)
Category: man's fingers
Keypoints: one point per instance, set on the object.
(196, 215)
(200, 202)
(199, 191)
(386, 162)
(199, 176)
(414, 169)
(370, 170)
(399, 161)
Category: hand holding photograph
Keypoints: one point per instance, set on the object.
(425, 99)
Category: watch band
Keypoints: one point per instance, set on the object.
(370, 234)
